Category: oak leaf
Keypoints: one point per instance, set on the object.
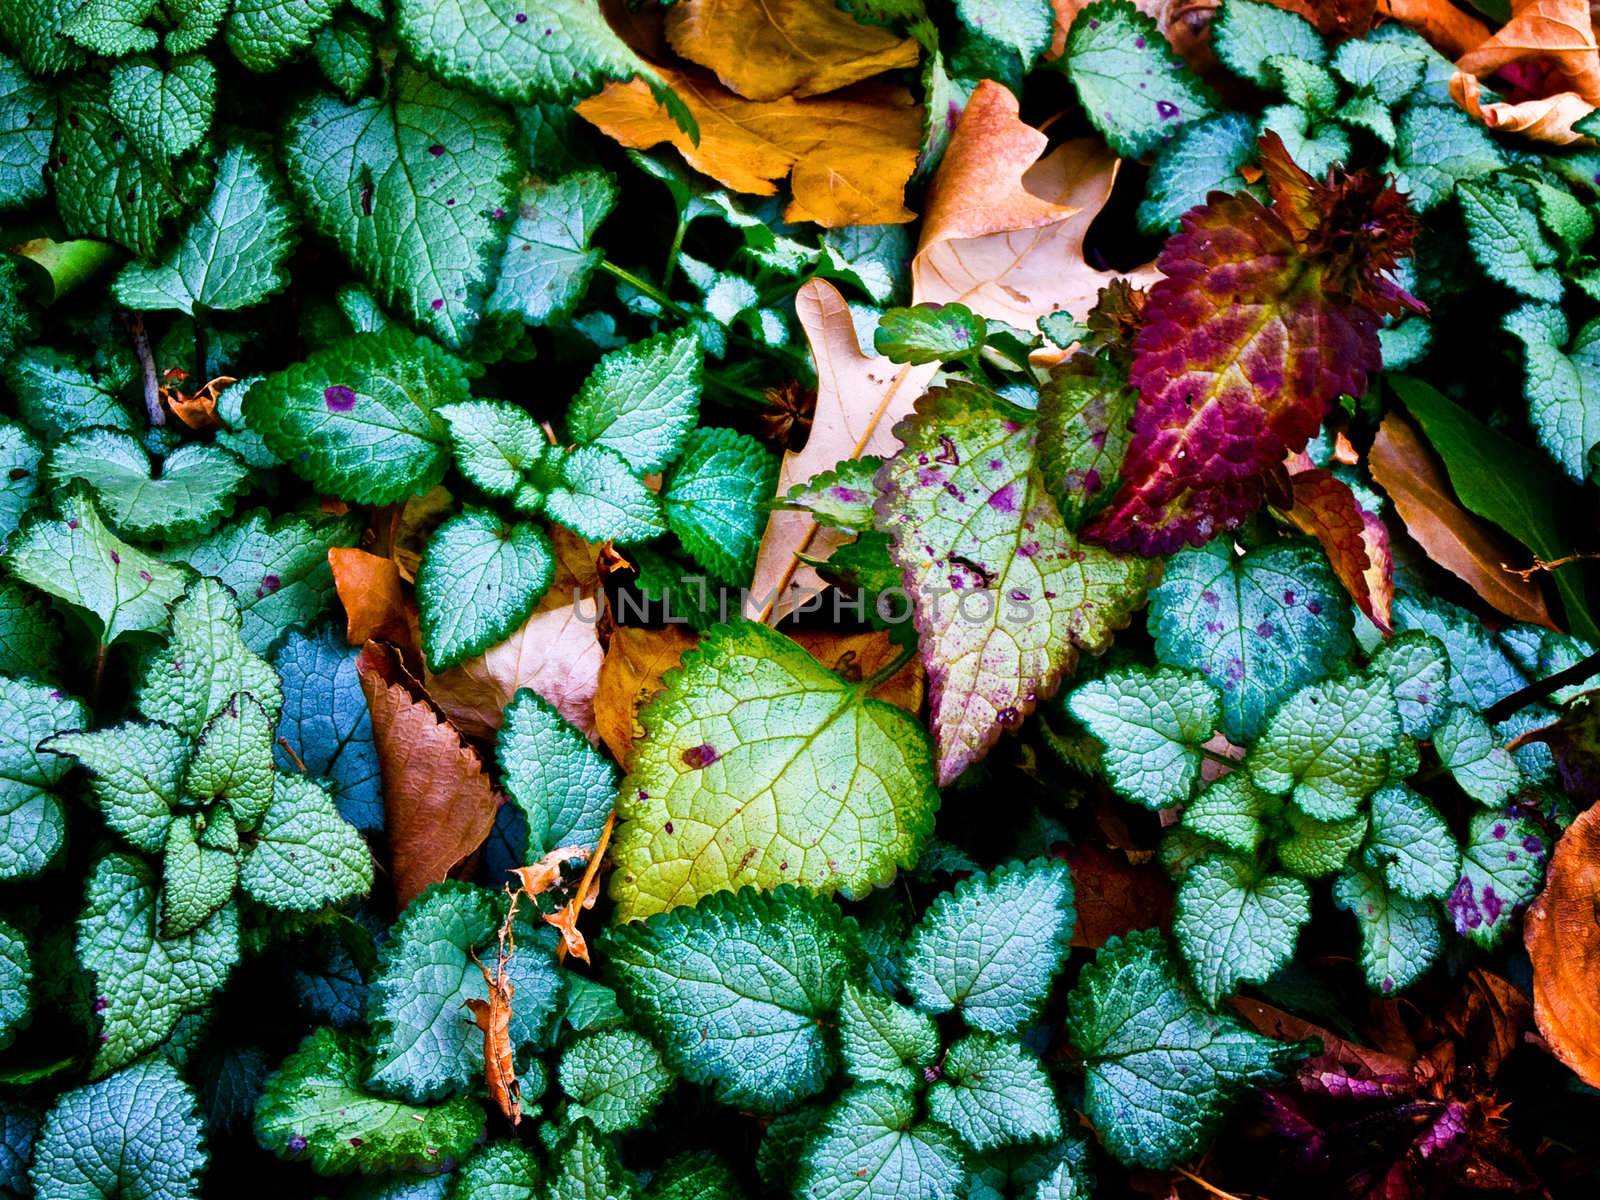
(1544, 118)
(1562, 932)
(847, 155)
(784, 47)
(1004, 228)
(438, 806)
(859, 398)
(1559, 32)
(1452, 537)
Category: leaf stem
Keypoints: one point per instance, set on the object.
(147, 367)
(1233, 764)
(674, 250)
(883, 674)
(1544, 688)
(644, 287)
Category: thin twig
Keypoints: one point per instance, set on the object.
(1548, 686)
(147, 366)
(1209, 1186)
(289, 750)
(1526, 574)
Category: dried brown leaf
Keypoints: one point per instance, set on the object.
(635, 661)
(1562, 933)
(375, 604)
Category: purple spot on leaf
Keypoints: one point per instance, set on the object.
(700, 756)
(339, 398)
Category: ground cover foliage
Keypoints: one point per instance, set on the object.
(956, 599)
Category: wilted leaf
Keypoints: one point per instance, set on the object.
(1558, 32)
(1562, 931)
(1544, 118)
(1355, 540)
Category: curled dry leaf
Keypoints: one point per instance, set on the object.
(437, 803)
(635, 660)
(540, 877)
(1562, 932)
(1559, 32)
(847, 155)
(1355, 540)
(588, 891)
(413, 524)
(1451, 536)
(1004, 228)
(375, 604)
(859, 398)
(1489, 1013)
(493, 1017)
(784, 47)
(1546, 118)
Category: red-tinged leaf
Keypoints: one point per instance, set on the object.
(1355, 540)
(437, 802)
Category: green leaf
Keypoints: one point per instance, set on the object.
(16, 983)
(278, 569)
(1502, 869)
(1232, 811)
(1327, 746)
(165, 113)
(1236, 925)
(1502, 482)
(614, 1079)
(1418, 670)
(841, 498)
(1260, 625)
(408, 186)
(1247, 34)
(498, 1171)
(1005, 596)
(1113, 48)
(563, 785)
(194, 489)
(424, 1045)
(1152, 724)
(77, 559)
(712, 499)
(196, 880)
(27, 125)
(1204, 157)
(1412, 843)
(1306, 85)
(993, 1093)
(1161, 1070)
(884, 1042)
(112, 27)
(233, 253)
(735, 990)
(1314, 144)
(32, 825)
(57, 395)
(586, 1165)
(306, 855)
(266, 34)
(1440, 146)
(1504, 234)
(33, 29)
(549, 256)
(20, 459)
(642, 400)
(195, 22)
(314, 1109)
(478, 582)
(930, 333)
(597, 496)
(135, 1134)
(762, 766)
(104, 187)
(144, 982)
(1399, 935)
(1387, 71)
(204, 664)
(991, 946)
(30, 637)
(873, 1148)
(1476, 758)
(1311, 848)
(1561, 382)
(138, 771)
(697, 1175)
(357, 420)
(500, 449)
(1024, 26)
(326, 722)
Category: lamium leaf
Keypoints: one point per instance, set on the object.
(408, 186)
(305, 855)
(193, 490)
(1439, 147)
(734, 991)
(314, 1109)
(164, 112)
(1562, 383)
(503, 1170)
(1312, 849)
(1412, 844)
(137, 1133)
(30, 635)
(563, 785)
(144, 982)
(613, 1078)
(930, 333)
(232, 254)
(137, 773)
(1113, 50)
(1236, 924)
(992, 1092)
(597, 496)
(33, 825)
(841, 498)
(1152, 724)
(762, 766)
(1327, 748)
(423, 1046)
(872, 1147)
(586, 1165)
(1503, 232)
(478, 581)
(991, 946)
(59, 393)
(1418, 670)
(265, 34)
(1247, 34)
(20, 460)
(357, 419)
(196, 879)
(16, 983)
(1004, 595)
(1259, 625)
(548, 259)
(1232, 811)
(712, 498)
(327, 724)
(1205, 157)
(1399, 935)
(1502, 869)
(695, 1175)
(1161, 1069)
(642, 400)
(1083, 433)
(1476, 757)
(500, 448)
(27, 124)
(882, 1041)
